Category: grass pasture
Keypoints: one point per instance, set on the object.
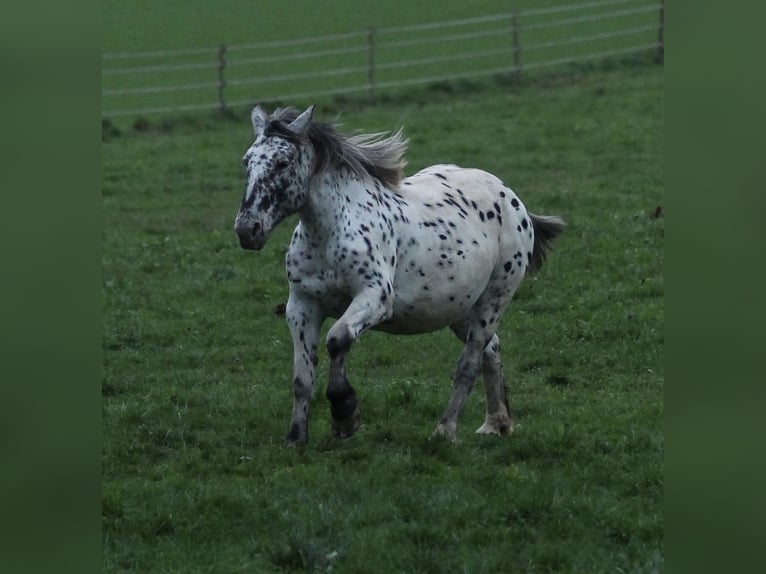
(197, 363)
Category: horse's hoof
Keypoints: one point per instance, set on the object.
(297, 436)
(446, 432)
(345, 428)
(294, 444)
(499, 426)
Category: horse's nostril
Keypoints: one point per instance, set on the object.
(256, 228)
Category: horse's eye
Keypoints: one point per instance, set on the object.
(281, 164)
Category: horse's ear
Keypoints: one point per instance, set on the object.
(259, 119)
(300, 125)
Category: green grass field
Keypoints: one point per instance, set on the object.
(197, 364)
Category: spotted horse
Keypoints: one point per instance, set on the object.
(445, 247)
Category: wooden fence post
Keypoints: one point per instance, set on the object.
(371, 63)
(516, 43)
(221, 79)
(661, 35)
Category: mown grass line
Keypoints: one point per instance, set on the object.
(197, 359)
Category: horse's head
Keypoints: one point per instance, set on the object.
(278, 164)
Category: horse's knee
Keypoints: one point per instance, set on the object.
(339, 340)
(302, 390)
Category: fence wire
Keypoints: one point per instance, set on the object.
(220, 77)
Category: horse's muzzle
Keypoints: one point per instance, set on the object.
(251, 236)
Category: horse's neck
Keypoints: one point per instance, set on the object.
(329, 197)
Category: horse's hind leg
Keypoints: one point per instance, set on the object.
(498, 419)
(481, 352)
(465, 376)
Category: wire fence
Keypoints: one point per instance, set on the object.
(377, 59)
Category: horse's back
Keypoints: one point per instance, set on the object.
(474, 201)
(471, 181)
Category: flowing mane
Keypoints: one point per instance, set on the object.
(379, 155)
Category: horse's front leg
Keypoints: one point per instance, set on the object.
(304, 320)
(366, 310)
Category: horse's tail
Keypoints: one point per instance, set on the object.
(547, 228)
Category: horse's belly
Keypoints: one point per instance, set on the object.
(413, 324)
(430, 307)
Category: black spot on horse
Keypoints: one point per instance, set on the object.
(265, 203)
